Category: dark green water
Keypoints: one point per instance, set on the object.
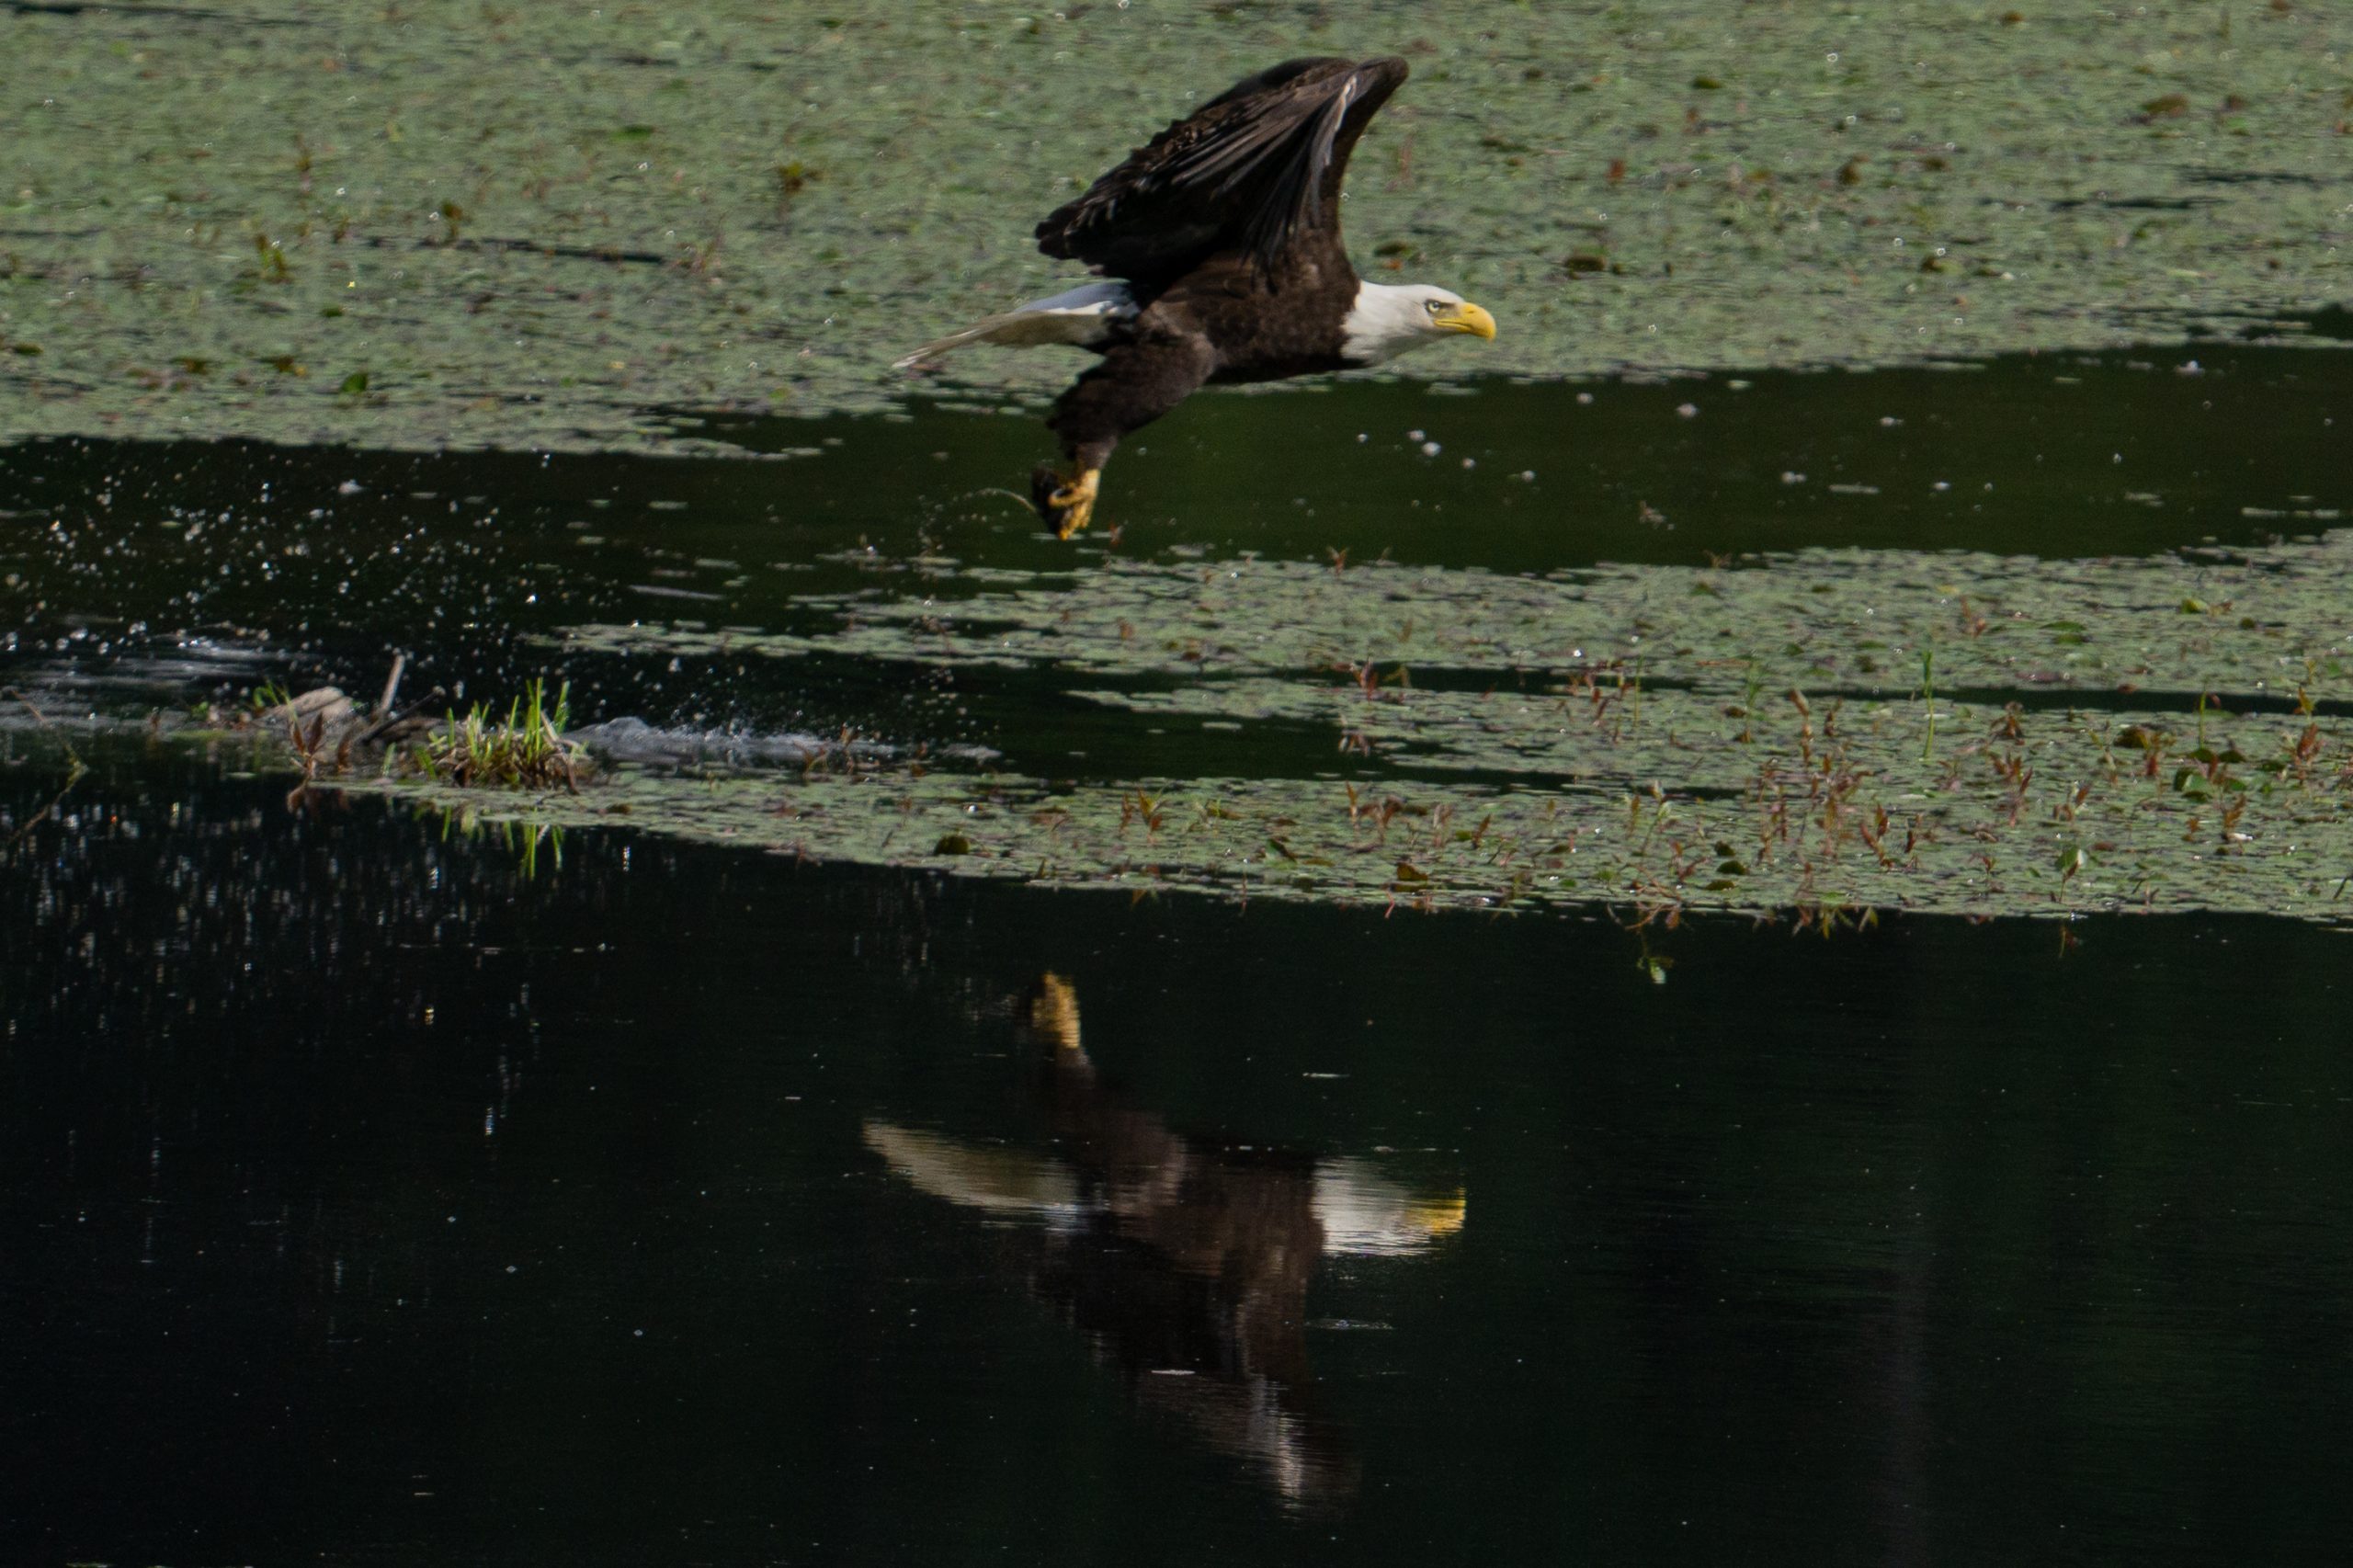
(210, 566)
(367, 1201)
(379, 1190)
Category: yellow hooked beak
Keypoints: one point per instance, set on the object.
(1465, 317)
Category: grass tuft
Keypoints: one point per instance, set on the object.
(524, 751)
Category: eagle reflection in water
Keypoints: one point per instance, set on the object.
(1186, 1264)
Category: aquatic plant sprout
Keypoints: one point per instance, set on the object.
(526, 750)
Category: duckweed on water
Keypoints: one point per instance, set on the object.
(2158, 734)
(537, 226)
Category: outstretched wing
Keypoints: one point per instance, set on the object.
(1257, 168)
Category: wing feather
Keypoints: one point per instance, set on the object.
(1257, 168)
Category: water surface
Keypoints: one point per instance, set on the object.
(2053, 634)
(373, 1202)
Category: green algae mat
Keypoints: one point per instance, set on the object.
(1825, 734)
(425, 223)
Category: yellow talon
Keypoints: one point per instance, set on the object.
(1069, 504)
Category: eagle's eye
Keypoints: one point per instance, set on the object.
(1431, 306)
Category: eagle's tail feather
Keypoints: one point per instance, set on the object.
(1082, 316)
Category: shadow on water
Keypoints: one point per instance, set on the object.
(366, 1199)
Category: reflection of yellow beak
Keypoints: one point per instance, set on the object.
(1466, 317)
(1443, 1216)
(1053, 1011)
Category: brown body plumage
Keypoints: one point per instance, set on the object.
(1225, 229)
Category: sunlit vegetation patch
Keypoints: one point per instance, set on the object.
(1816, 833)
(524, 750)
(1834, 735)
(1827, 732)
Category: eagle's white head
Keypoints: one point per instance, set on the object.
(1386, 320)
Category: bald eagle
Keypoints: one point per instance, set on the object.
(1221, 239)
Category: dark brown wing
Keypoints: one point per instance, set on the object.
(1257, 168)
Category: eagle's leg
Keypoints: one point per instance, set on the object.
(1135, 384)
(1066, 501)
